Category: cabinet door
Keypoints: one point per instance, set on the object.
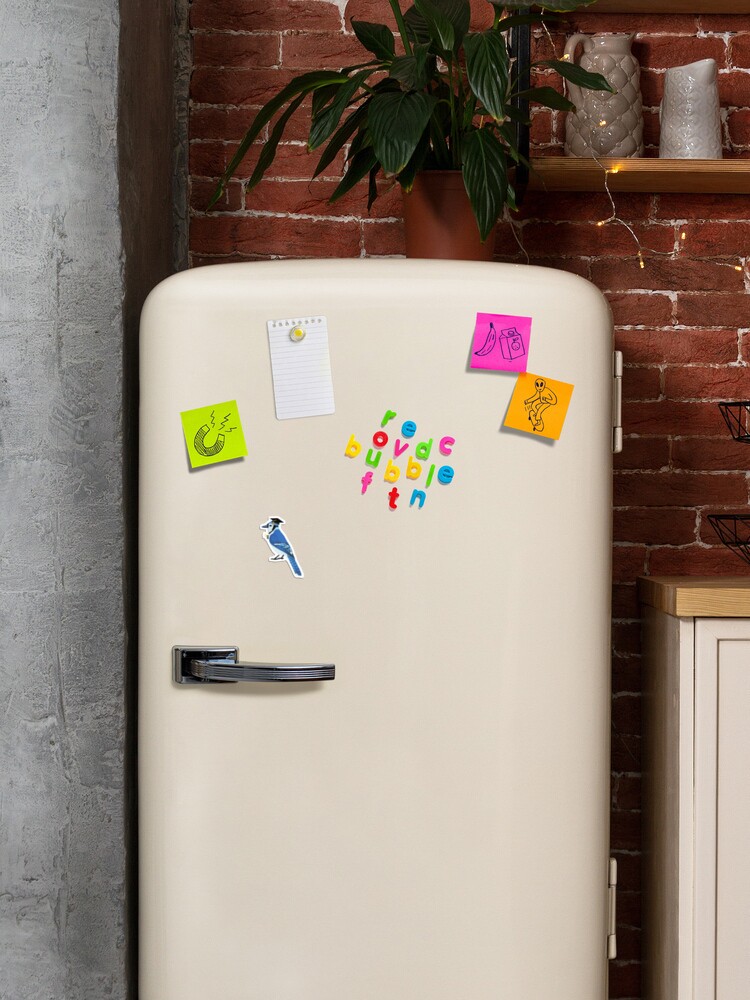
(722, 809)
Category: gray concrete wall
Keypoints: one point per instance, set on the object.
(69, 243)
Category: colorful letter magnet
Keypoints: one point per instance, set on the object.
(539, 405)
(501, 343)
(213, 434)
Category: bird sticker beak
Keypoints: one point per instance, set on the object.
(280, 546)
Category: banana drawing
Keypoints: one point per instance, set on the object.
(203, 449)
(488, 344)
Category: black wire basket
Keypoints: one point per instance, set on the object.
(734, 532)
(737, 418)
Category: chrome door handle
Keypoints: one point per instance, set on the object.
(220, 664)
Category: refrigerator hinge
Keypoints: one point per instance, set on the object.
(612, 910)
(616, 402)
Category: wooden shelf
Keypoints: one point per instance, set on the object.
(697, 596)
(647, 175)
(569, 173)
(667, 7)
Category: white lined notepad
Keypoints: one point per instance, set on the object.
(301, 369)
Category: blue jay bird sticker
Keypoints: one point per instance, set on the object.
(280, 545)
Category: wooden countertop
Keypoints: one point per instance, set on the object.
(697, 596)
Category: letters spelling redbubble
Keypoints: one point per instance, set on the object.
(416, 463)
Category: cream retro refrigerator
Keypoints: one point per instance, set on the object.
(418, 810)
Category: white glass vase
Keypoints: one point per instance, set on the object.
(690, 120)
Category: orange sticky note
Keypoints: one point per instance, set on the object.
(539, 405)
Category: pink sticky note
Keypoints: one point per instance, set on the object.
(501, 343)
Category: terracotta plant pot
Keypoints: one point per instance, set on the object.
(439, 221)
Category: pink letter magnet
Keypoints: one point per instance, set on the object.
(501, 343)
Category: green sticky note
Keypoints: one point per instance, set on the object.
(213, 433)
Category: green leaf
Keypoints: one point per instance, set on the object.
(360, 166)
(376, 38)
(458, 12)
(470, 109)
(438, 25)
(305, 84)
(440, 150)
(372, 186)
(326, 121)
(395, 6)
(574, 73)
(416, 26)
(548, 97)
(396, 122)
(324, 96)
(360, 141)
(487, 67)
(412, 71)
(415, 164)
(373, 64)
(341, 137)
(508, 132)
(517, 116)
(268, 152)
(485, 176)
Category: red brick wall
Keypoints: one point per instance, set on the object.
(682, 322)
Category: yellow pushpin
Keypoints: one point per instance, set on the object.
(297, 334)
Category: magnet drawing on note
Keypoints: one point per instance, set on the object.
(213, 434)
(280, 545)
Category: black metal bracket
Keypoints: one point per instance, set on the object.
(520, 48)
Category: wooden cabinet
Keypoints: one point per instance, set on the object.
(697, 790)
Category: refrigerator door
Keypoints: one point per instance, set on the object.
(432, 823)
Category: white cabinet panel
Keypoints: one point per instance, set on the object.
(722, 810)
(697, 807)
(668, 809)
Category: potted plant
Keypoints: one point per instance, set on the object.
(440, 107)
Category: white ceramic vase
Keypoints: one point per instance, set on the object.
(605, 124)
(690, 120)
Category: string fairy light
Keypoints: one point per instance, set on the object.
(613, 217)
(515, 226)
